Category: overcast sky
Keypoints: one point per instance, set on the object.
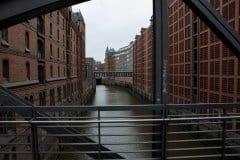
(113, 22)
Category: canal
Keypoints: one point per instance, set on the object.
(124, 139)
(111, 95)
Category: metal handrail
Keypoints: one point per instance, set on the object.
(185, 124)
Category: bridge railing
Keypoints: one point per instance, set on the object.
(98, 74)
(200, 131)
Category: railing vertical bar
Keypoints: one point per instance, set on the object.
(34, 130)
(164, 133)
(224, 126)
(99, 135)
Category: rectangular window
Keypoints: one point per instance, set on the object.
(5, 69)
(58, 35)
(63, 23)
(52, 97)
(51, 71)
(40, 51)
(58, 71)
(64, 91)
(58, 53)
(42, 98)
(51, 50)
(63, 39)
(50, 29)
(40, 25)
(41, 74)
(4, 34)
(27, 42)
(57, 17)
(59, 92)
(28, 71)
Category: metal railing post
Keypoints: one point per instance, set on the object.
(164, 133)
(224, 127)
(99, 135)
(34, 130)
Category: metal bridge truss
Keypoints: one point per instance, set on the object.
(204, 124)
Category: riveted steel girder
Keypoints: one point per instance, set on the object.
(15, 11)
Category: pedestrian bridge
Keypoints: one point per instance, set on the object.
(189, 131)
(194, 131)
(112, 74)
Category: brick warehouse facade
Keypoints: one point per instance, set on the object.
(202, 69)
(43, 59)
(142, 53)
(119, 61)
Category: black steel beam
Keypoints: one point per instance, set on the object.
(14, 11)
(212, 18)
(160, 70)
(160, 48)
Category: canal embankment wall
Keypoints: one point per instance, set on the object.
(130, 88)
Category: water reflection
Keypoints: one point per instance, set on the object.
(112, 134)
(109, 95)
(121, 137)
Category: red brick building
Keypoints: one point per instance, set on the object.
(202, 69)
(42, 59)
(142, 53)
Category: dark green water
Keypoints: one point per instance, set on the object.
(109, 95)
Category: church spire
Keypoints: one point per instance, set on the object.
(107, 49)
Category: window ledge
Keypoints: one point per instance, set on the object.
(4, 43)
(20, 84)
(27, 50)
(56, 79)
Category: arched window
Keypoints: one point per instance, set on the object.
(31, 99)
(26, 98)
(40, 25)
(27, 40)
(42, 100)
(41, 74)
(40, 50)
(4, 35)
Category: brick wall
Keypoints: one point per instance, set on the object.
(215, 67)
(56, 27)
